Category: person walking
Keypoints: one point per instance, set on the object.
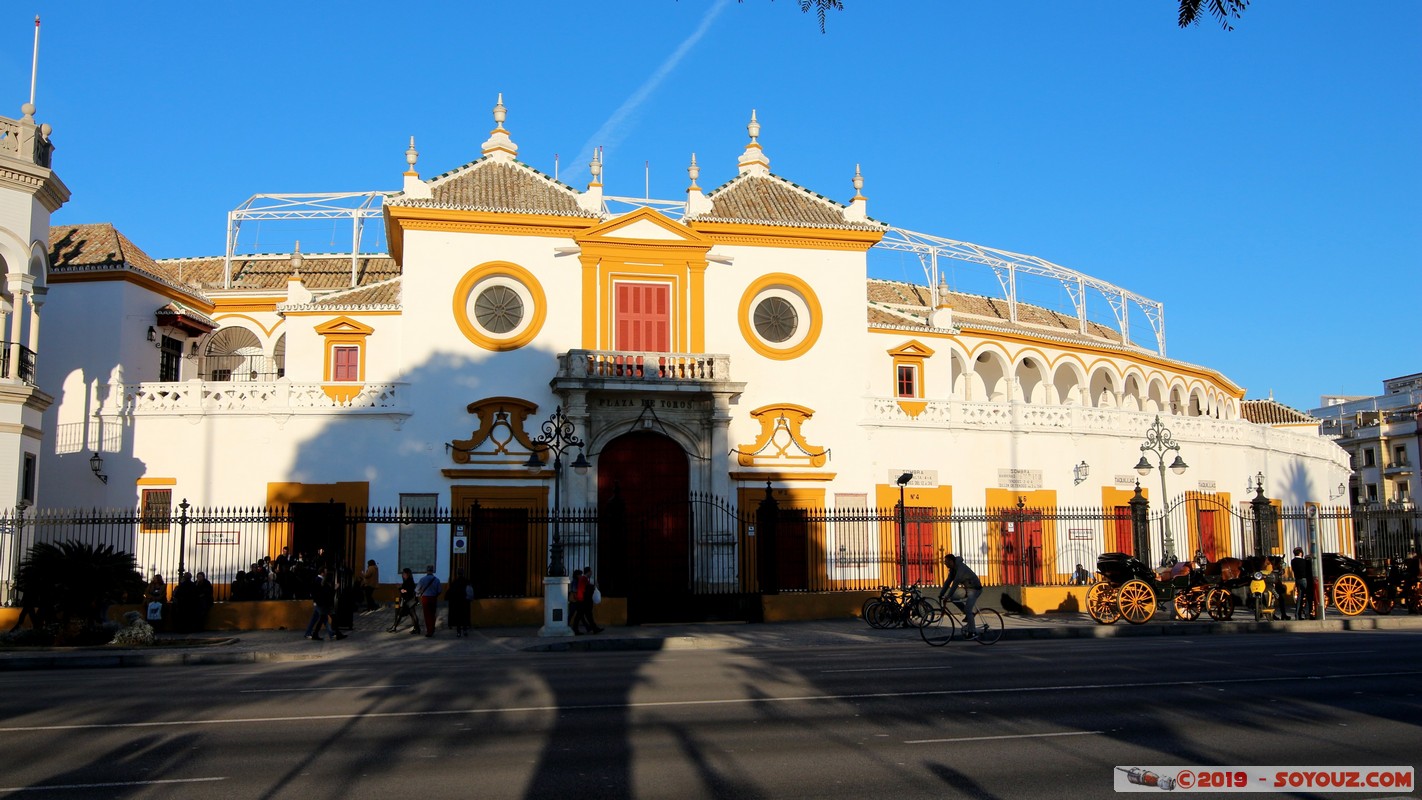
(459, 594)
(323, 602)
(575, 602)
(428, 591)
(590, 597)
(961, 575)
(369, 579)
(406, 601)
(205, 600)
(1302, 568)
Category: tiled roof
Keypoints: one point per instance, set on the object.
(101, 247)
(320, 273)
(772, 200)
(489, 185)
(1272, 412)
(972, 310)
(377, 296)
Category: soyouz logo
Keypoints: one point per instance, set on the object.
(1261, 779)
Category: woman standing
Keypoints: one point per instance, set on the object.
(458, 595)
(406, 602)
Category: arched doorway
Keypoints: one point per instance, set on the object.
(644, 538)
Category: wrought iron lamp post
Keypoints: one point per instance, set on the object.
(903, 530)
(557, 436)
(1159, 441)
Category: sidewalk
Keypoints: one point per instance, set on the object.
(369, 639)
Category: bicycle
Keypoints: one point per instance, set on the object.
(897, 609)
(942, 624)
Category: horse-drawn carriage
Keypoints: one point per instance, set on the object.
(1350, 587)
(1129, 589)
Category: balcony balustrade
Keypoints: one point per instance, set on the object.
(643, 371)
(24, 370)
(277, 398)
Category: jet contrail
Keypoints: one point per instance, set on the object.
(613, 131)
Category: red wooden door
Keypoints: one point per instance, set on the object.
(918, 537)
(1122, 540)
(647, 556)
(1206, 523)
(643, 317)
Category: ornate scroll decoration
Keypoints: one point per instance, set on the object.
(781, 442)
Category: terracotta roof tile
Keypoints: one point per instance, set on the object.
(320, 273)
(772, 200)
(489, 185)
(971, 310)
(100, 247)
(1272, 412)
(383, 295)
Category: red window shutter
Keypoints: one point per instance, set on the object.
(345, 364)
(643, 320)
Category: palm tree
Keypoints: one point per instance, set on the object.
(73, 582)
(1222, 10)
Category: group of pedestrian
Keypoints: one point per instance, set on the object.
(583, 594)
(419, 601)
(185, 611)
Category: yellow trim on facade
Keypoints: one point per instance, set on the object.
(230, 305)
(129, 276)
(157, 482)
(399, 219)
(342, 332)
(812, 303)
(264, 329)
(753, 235)
(911, 354)
(281, 494)
(774, 475)
(463, 293)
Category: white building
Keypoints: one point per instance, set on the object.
(719, 347)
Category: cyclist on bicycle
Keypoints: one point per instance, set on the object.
(961, 575)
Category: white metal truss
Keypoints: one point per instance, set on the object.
(1006, 266)
(360, 206)
(356, 206)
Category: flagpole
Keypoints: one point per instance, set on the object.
(34, 64)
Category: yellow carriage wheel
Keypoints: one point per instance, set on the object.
(1137, 601)
(1187, 605)
(1101, 603)
(1220, 604)
(1350, 595)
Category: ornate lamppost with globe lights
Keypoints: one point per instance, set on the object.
(557, 435)
(1159, 441)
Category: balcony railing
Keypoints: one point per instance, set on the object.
(277, 397)
(643, 367)
(22, 140)
(26, 371)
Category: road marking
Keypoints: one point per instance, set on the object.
(326, 688)
(1011, 736)
(70, 786)
(811, 698)
(919, 668)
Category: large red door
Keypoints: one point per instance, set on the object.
(643, 317)
(1206, 523)
(1122, 539)
(918, 535)
(644, 548)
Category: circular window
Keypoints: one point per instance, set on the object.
(780, 316)
(498, 309)
(499, 306)
(775, 319)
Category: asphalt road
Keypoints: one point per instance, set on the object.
(1020, 719)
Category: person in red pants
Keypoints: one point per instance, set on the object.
(428, 591)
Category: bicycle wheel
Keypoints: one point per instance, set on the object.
(940, 631)
(879, 615)
(920, 613)
(987, 625)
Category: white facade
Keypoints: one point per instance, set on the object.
(840, 385)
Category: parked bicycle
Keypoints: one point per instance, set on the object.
(895, 608)
(943, 624)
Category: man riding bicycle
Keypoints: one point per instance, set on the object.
(962, 575)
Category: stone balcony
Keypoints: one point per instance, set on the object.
(280, 397)
(615, 370)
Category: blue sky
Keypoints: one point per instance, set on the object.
(1262, 183)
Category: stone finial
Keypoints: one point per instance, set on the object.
(753, 160)
(595, 167)
(591, 200)
(411, 156)
(858, 208)
(296, 262)
(696, 201)
(414, 187)
(27, 113)
(499, 146)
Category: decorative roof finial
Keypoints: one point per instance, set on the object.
(411, 156)
(296, 260)
(858, 184)
(858, 208)
(499, 146)
(595, 166)
(693, 171)
(753, 159)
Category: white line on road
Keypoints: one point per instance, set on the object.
(68, 786)
(812, 698)
(326, 688)
(1012, 736)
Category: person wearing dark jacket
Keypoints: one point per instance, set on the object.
(323, 602)
(1303, 585)
(960, 574)
(406, 602)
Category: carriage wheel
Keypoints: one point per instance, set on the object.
(1101, 603)
(1382, 601)
(1220, 604)
(1350, 595)
(1137, 601)
(1187, 606)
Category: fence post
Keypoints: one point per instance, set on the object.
(766, 515)
(1140, 525)
(182, 535)
(1261, 507)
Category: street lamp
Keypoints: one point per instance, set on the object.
(903, 530)
(1159, 441)
(557, 437)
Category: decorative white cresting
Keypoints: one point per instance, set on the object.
(499, 146)
(696, 201)
(858, 208)
(754, 160)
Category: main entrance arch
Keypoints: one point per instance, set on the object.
(644, 546)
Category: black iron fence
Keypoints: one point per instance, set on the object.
(706, 547)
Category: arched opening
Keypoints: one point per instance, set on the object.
(644, 537)
(235, 354)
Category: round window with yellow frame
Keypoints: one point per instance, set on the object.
(499, 306)
(780, 316)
